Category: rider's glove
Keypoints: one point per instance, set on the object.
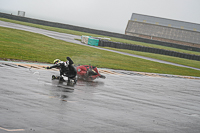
(48, 67)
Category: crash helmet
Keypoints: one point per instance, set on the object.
(56, 61)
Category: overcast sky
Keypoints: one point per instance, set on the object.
(109, 15)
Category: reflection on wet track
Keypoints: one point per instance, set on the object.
(123, 102)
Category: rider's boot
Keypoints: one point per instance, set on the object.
(68, 81)
(61, 78)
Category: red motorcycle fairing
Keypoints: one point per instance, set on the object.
(87, 72)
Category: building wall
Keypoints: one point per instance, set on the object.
(164, 40)
(165, 22)
(163, 33)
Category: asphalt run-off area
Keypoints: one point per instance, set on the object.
(124, 102)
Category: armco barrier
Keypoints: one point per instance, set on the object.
(105, 43)
(99, 32)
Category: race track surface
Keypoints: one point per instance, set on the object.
(129, 102)
(124, 102)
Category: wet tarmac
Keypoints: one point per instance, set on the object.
(122, 103)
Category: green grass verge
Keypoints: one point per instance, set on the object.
(95, 35)
(182, 61)
(27, 46)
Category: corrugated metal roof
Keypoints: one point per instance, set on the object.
(163, 32)
(165, 22)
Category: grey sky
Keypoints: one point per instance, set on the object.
(109, 15)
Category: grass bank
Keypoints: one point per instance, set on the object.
(27, 46)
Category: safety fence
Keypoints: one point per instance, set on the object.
(99, 32)
(105, 43)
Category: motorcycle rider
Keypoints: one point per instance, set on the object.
(66, 69)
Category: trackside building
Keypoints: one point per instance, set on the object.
(162, 29)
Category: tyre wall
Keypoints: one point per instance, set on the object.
(105, 43)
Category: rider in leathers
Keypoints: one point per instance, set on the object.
(66, 69)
